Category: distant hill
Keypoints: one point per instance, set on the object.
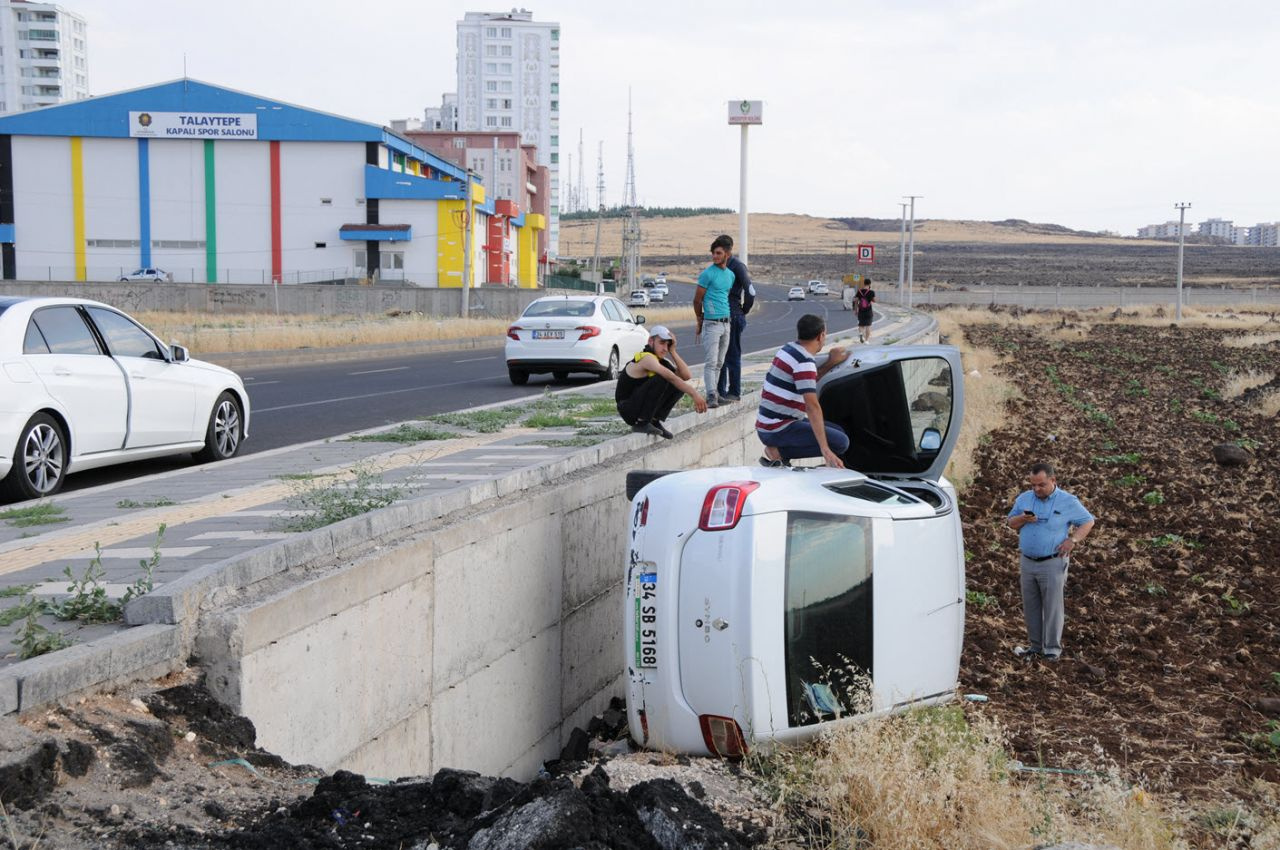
(1018, 225)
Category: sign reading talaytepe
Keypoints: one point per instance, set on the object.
(746, 112)
(193, 125)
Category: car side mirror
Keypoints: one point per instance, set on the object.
(178, 353)
(639, 319)
(930, 440)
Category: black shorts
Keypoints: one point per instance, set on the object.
(864, 319)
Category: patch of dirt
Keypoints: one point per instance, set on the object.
(1172, 642)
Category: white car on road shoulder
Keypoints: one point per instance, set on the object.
(83, 385)
(768, 604)
(573, 333)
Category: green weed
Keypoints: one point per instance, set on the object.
(1234, 602)
(1131, 480)
(34, 639)
(16, 590)
(162, 502)
(325, 504)
(146, 582)
(1155, 497)
(1248, 443)
(1266, 741)
(404, 433)
(1220, 368)
(88, 601)
(1136, 389)
(9, 616)
(1126, 458)
(1205, 416)
(1167, 540)
(1154, 589)
(480, 421)
(551, 420)
(43, 513)
(980, 599)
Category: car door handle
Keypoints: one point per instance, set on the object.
(61, 371)
(137, 377)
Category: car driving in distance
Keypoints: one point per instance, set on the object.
(795, 293)
(83, 385)
(765, 605)
(638, 298)
(147, 274)
(561, 334)
(817, 287)
(658, 293)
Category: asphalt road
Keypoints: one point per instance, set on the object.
(300, 403)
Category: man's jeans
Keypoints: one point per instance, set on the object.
(730, 382)
(796, 440)
(715, 342)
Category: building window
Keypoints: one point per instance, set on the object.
(555, 141)
(322, 244)
(555, 35)
(555, 105)
(504, 86)
(505, 67)
(506, 103)
(506, 32)
(555, 88)
(490, 32)
(506, 50)
(506, 121)
(491, 103)
(326, 202)
(78, 44)
(491, 121)
(491, 85)
(491, 50)
(460, 143)
(393, 260)
(555, 159)
(42, 35)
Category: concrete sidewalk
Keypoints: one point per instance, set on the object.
(216, 512)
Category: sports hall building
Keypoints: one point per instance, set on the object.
(214, 185)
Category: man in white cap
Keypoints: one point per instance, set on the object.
(651, 384)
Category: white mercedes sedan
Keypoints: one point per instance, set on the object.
(83, 385)
(764, 605)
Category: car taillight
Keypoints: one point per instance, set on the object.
(722, 736)
(514, 332)
(588, 331)
(642, 514)
(723, 506)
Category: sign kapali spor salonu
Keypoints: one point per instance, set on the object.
(193, 125)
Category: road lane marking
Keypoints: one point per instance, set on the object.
(477, 359)
(340, 399)
(376, 371)
(260, 383)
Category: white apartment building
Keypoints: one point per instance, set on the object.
(509, 79)
(1265, 235)
(43, 60)
(1217, 228)
(442, 117)
(1168, 230)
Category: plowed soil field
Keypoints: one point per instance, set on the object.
(1171, 665)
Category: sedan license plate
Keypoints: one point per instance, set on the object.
(548, 334)
(647, 620)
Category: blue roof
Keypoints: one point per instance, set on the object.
(107, 116)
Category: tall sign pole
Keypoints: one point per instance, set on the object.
(902, 253)
(911, 247)
(466, 248)
(744, 113)
(1182, 217)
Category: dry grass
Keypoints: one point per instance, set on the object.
(1238, 383)
(269, 332)
(1250, 340)
(1269, 404)
(932, 779)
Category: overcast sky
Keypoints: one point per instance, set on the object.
(1094, 115)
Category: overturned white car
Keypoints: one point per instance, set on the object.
(765, 604)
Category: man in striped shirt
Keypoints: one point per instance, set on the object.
(790, 422)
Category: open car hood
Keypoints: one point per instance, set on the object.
(901, 407)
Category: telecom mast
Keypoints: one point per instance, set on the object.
(631, 230)
(595, 260)
(584, 199)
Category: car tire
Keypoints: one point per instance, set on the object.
(225, 431)
(610, 372)
(518, 377)
(638, 478)
(39, 461)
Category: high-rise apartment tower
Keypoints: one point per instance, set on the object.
(509, 79)
(43, 60)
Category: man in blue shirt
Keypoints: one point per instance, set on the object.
(711, 307)
(742, 297)
(1050, 523)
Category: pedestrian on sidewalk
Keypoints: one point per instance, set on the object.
(1050, 523)
(742, 297)
(651, 384)
(790, 421)
(862, 300)
(711, 307)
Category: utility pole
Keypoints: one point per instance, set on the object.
(744, 113)
(911, 247)
(1182, 208)
(595, 260)
(466, 249)
(902, 253)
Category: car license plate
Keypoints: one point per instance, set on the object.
(647, 620)
(548, 334)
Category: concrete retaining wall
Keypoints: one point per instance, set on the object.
(292, 299)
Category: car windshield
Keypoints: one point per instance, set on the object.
(572, 309)
(827, 615)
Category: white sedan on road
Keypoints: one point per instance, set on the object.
(153, 274)
(83, 385)
(769, 604)
(795, 293)
(573, 333)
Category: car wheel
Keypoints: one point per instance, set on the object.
(637, 478)
(560, 377)
(518, 377)
(225, 432)
(39, 460)
(611, 371)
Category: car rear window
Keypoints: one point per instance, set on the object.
(569, 309)
(827, 615)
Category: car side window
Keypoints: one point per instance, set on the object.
(124, 338)
(34, 342)
(64, 331)
(611, 312)
(626, 314)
